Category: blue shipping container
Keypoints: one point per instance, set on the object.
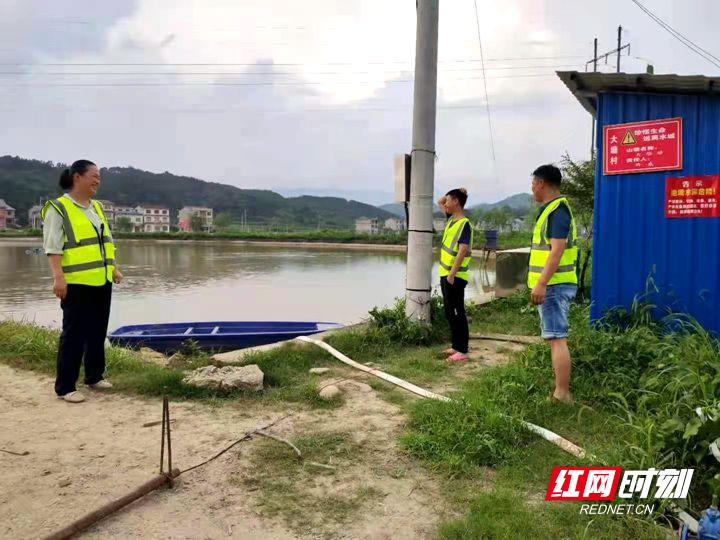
(633, 240)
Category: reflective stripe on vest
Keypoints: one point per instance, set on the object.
(451, 246)
(540, 249)
(88, 257)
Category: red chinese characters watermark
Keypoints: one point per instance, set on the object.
(601, 484)
(583, 484)
(637, 147)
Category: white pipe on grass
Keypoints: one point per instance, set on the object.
(381, 374)
(546, 434)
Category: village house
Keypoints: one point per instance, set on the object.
(34, 219)
(7, 215)
(156, 218)
(186, 214)
(439, 224)
(131, 213)
(108, 210)
(395, 224)
(366, 225)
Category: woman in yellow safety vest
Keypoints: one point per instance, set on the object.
(455, 252)
(81, 253)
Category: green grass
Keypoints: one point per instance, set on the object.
(511, 240)
(502, 513)
(286, 369)
(301, 493)
(18, 233)
(512, 315)
(636, 386)
(505, 240)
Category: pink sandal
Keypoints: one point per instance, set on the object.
(458, 357)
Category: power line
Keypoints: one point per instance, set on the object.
(255, 110)
(272, 73)
(697, 49)
(273, 64)
(484, 79)
(281, 83)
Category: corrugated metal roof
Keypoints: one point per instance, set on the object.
(586, 86)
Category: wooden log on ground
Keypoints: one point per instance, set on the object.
(112, 507)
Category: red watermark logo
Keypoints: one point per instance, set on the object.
(607, 483)
(583, 484)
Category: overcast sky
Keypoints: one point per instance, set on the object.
(320, 93)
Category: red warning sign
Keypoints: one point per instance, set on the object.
(638, 147)
(692, 196)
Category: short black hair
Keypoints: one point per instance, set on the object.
(460, 194)
(549, 173)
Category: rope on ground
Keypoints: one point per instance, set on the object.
(546, 434)
(247, 436)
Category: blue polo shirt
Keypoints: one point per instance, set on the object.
(558, 225)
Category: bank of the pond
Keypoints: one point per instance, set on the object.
(636, 388)
(330, 239)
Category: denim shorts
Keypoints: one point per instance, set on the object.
(554, 310)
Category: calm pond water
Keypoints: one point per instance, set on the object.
(194, 281)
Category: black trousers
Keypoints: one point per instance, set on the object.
(86, 311)
(454, 302)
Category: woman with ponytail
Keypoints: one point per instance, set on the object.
(81, 253)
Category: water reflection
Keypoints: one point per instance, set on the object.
(178, 281)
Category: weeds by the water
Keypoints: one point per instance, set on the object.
(637, 387)
(341, 236)
(512, 315)
(286, 369)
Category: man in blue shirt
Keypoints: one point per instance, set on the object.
(551, 274)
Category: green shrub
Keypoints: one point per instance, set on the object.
(391, 324)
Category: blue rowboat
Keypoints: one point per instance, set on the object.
(213, 336)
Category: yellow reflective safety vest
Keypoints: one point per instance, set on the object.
(540, 249)
(88, 256)
(450, 246)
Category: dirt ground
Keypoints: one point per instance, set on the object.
(83, 456)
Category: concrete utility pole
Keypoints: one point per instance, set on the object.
(594, 61)
(592, 131)
(420, 231)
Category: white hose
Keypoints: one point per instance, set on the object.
(544, 433)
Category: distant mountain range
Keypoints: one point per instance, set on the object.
(24, 182)
(519, 201)
(375, 198)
